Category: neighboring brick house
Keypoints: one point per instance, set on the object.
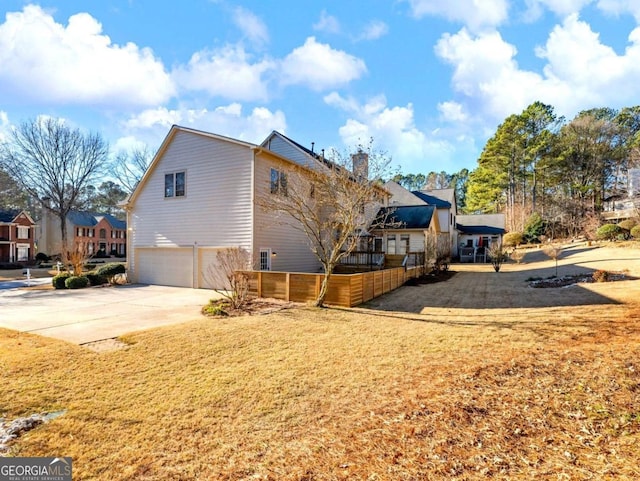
(100, 232)
(17, 234)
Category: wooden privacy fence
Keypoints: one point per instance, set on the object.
(345, 290)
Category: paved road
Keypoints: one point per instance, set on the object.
(88, 315)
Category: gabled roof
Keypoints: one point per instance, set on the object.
(406, 217)
(480, 230)
(432, 199)
(8, 216)
(88, 219)
(165, 143)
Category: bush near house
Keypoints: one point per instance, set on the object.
(626, 226)
(512, 239)
(42, 257)
(96, 279)
(635, 232)
(608, 232)
(76, 282)
(59, 280)
(111, 270)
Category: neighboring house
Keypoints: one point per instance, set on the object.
(443, 204)
(199, 195)
(98, 232)
(405, 229)
(477, 233)
(17, 236)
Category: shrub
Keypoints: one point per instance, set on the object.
(627, 224)
(216, 308)
(111, 270)
(512, 239)
(608, 232)
(76, 282)
(635, 232)
(534, 228)
(497, 256)
(96, 279)
(59, 280)
(517, 256)
(42, 257)
(601, 276)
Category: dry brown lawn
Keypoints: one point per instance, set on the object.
(375, 393)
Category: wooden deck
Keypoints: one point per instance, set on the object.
(345, 290)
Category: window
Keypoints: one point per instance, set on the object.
(265, 259)
(278, 182)
(175, 184)
(403, 248)
(103, 233)
(23, 252)
(23, 232)
(391, 244)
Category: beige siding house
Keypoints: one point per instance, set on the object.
(198, 196)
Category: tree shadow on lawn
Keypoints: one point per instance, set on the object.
(501, 290)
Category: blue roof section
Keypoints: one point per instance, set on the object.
(8, 215)
(88, 219)
(432, 200)
(480, 230)
(406, 217)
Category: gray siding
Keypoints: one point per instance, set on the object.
(281, 147)
(278, 234)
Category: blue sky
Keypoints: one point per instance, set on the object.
(429, 80)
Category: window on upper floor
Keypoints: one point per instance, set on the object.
(175, 184)
(23, 232)
(278, 182)
(103, 233)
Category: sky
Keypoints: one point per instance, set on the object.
(428, 80)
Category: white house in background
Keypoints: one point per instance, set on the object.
(477, 233)
(444, 203)
(199, 195)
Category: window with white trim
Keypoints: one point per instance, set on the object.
(23, 232)
(175, 184)
(265, 259)
(278, 182)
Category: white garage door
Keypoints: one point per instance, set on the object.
(165, 266)
(209, 276)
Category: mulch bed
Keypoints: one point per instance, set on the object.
(565, 281)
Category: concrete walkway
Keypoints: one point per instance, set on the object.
(89, 315)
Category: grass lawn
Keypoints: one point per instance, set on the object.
(326, 394)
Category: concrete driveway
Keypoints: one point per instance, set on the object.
(89, 315)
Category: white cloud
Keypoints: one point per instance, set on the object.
(393, 129)
(152, 125)
(320, 67)
(227, 73)
(327, 23)
(452, 112)
(45, 62)
(475, 14)
(374, 30)
(580, 72)
(561, 8)
(251, 26)
(619, 7)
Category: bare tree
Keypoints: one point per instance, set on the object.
(229, 275)
(129, 167)
(54, 163)
(333, 204)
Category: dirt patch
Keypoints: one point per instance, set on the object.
(431, 278)
(106, 345)
(257, 306)
(577, 279)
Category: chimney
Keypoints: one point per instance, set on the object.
(313, 144)
(360, 163)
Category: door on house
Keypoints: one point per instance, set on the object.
(391, 244)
